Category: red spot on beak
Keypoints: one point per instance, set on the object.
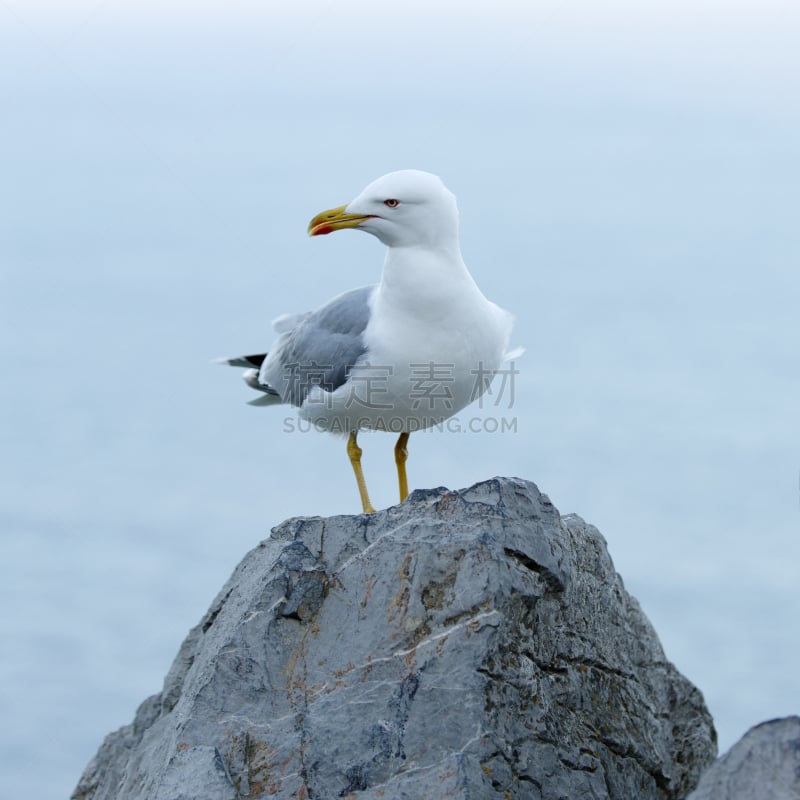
(322, 230)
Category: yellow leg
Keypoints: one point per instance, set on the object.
(400, 458)
(354, 452)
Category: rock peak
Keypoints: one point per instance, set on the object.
(472, 641)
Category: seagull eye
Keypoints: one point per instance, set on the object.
(391, 203)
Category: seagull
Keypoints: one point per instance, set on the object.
(399, 356)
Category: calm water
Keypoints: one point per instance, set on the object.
(628, 187)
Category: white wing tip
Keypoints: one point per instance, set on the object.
(513, 354)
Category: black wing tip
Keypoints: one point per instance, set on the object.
(254, 361)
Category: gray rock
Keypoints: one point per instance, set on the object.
(763, 765)
(468, 644)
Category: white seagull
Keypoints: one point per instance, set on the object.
(399, 356)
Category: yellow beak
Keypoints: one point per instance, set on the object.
(334, 219)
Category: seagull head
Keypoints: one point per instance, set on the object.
(409, 208)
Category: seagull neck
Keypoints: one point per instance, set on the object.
(418, 272)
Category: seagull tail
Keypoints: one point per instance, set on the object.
(266, 399)
(252, 364)
(269, 395)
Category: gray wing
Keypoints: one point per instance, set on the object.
(320, 349)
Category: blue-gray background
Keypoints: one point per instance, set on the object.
(628, 180)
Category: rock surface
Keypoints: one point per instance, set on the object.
(763, 765)
(468, 644)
